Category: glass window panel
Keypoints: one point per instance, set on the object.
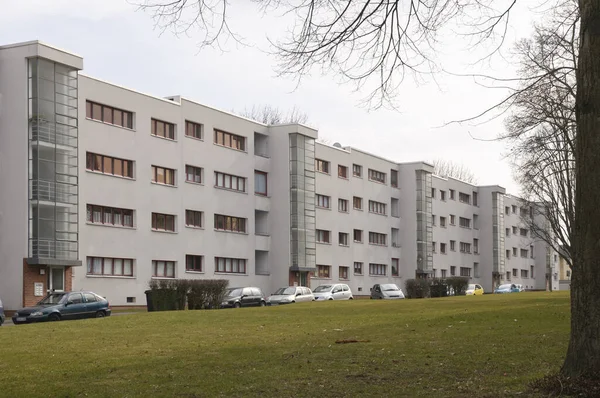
(128, 267)
(118, 266)
(97, 266)
(160, 175)
(118, 167)
(90, 266)
(107, 114)
(117, 117)
(96, 112)
(108, 266)
(88, 109)
(97, 214)
(107, 165)
(108, 216)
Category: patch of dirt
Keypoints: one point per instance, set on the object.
(351, 341)
(560, 386)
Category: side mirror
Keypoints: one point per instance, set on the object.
(69, 302)
(298, 294)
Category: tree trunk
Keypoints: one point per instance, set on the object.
(583, 354)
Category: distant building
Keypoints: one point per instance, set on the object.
(564, 270)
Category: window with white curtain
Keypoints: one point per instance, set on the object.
(260, 182)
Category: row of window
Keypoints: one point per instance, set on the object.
(324, 166)
(464, 247)
(324, 271)
(462, 197)
(324, 201)
(166, 176)
(463, 271)
(375, 238)
(516, 230)
(462, 221)
(523, 211)
(524, 273)
(523, 252)
(110, 266)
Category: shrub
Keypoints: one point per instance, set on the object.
(205, 294)
(417, 288)
(174, 294)
(458, 285)
(438, 287)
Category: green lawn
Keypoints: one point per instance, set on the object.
(452, 347)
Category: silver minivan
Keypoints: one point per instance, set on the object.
(290, 294)
(336, 291)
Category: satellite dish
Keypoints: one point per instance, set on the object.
(337, 145)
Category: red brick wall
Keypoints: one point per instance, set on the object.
(31, 275)
(68, 279)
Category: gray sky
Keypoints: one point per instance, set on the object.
(120, 45)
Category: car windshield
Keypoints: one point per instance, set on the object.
(322, 288)
(504, 287)
(285, 291)
(233, 292)
(51, 299)
(389, 288)
(471, 287)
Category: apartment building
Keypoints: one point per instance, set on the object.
(110, 188)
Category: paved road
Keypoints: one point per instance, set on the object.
(8, 321)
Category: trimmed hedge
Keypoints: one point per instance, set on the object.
(174, 294)
(436, 287)
(417, 288)
(458, 285)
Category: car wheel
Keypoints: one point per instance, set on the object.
(331, 298)
(351, 298)
(53, 317)
(237, 305)
(100, 314)
(262, 304)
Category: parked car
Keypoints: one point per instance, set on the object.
(474, 289)
(237, 297)
(520, 287)
(291, 294)
(338, 291)
(387, 291)
(1, 313)
(63, 306)
(507, 288)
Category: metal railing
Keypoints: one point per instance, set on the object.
(43, 248)
(52, 192)
(46, 133)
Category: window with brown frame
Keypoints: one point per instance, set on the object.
(377, 207)
(357, 170)
(163, 222)
(108, 114)
(322, 166)
(163, 129)
(230, 224)
(343, 272)
(357, 203)
(228, 181)
(323, 236)
(377, 269)
(230, 140)
(376, 176)
(230, 265)
(395, 267)
(110, 216)
(358, 268)
(394, 178)
(342, 171)
(193, 174)
(324, 271)
(163, 175)
(194, 263)
(323, 201)
(163, 269)
(376, 238)
(343, 205)
(193, 218)
(109, 266)
(109, 165)
(260, 183)
(358, 235)
(194, 130)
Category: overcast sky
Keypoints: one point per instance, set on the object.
(121, 46)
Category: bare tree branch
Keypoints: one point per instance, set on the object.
(446, 168)
(267, 114)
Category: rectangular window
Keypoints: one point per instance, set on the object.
(465, 247)
(453, 245)
(433, 219)
(524, 274)
(194, 263)
(194, 130)
(230, 265)
(464, 198)
(394, 178)
(357, 170)
(323, 236)
(514, 209)
(464, 222)
(395, 267)
(443, 248)
(109, 165)
(323, 201)
(443, 222)
(376, 176)
(452, 219)
(443, 195)
(377, 269)
(433, 246)
(507, 275)
(444, 273)
(343, 238)
(514, 252)
(395, 207)
(342, 171)
(109, 266)
(507, 210)
(507, 253)
(230, 140)
(433, 193)
(108, 114)
(324, 271)
(531, 251)
(376, 238)
(524, 232)
(476, 270)
(229, 181)
(260, 183)
(163, 129)
(193, 174)
(163, 222)
(358, 268)
(514, 272)
(507, 232)
(377, 207)
(343, 271)
(452, 270)
(524, 253)
(109, 216)
(230, 223)
(343, 205)
(163, 175)
(163, 269)
(465, 271)
(193, 218)
(532, 268)
(395, 237)
(475, 245)
(515, 230)
(452, 194)
(475, 201)
(357, 203)
(358, 235)
(322, 166)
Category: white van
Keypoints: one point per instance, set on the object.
(336, 291)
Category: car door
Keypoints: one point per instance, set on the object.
(377, 291)
(247, 299)
(91, 305)
(346, 291)
(337, 292)
(479, 289)
(74, 307)
(258, 295)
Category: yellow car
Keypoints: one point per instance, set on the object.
(474, 290)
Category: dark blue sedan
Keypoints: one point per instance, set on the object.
(64, 305)
(507, 288)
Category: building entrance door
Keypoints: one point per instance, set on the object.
(56, 279)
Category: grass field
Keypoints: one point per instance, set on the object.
(453, 347)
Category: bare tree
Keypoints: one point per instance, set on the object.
(380, 41)
(271, 115)
(448, 168)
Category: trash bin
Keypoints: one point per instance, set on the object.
(149, 304)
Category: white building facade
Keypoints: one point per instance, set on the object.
(110, 188)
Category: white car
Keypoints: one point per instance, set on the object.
(336, 291)
(290, 294)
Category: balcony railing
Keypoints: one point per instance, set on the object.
(47, 133)
(52, 192)
(42, 248)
